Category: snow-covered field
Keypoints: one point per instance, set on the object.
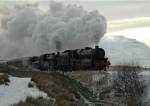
(18, 90)
(97, 81)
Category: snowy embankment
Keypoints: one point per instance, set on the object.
(18, 90)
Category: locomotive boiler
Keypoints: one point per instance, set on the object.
(80, 59)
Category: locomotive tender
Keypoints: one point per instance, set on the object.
(69, 60)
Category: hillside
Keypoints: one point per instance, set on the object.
(122, 50)
(64, 90)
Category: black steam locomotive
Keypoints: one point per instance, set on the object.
(69, 60)
(79, 59)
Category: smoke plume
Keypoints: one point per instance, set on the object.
(27, 31)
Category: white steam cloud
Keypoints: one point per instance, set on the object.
(27, 31)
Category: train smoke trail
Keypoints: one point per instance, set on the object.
(27, 31)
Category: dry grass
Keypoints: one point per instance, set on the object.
(128, 86)
(30, 101)
(84, 76)
(4, 78)
(56, 86)
(63, 89)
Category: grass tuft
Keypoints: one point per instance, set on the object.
(4, 78)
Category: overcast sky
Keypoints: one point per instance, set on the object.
(111, 9)
(120, 14)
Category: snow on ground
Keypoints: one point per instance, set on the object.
(144, 75)
(18, 91)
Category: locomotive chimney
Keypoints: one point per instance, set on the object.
(96, 47)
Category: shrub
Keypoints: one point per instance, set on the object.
(4, 79)
(129, 86)
(30, 101)
(31, 84)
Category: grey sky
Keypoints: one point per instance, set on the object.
(119, 9)
(111, 9)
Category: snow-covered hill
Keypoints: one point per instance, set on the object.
(122, 50)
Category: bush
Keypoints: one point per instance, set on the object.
(4, 79)
(31, 84)
(129, 86)
(30, 101)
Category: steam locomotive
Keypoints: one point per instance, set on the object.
(69, 60)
